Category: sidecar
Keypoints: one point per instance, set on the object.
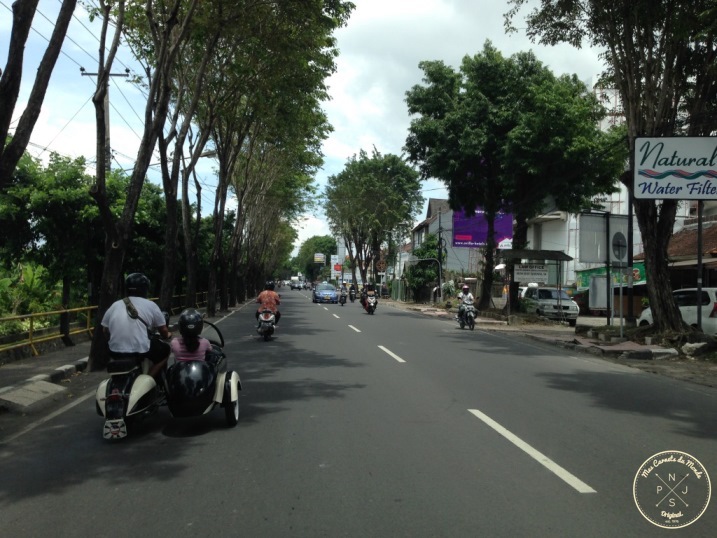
(196, 387)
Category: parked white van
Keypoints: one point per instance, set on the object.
(687, 302)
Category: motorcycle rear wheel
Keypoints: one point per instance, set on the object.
(471, 323)
(463, 324)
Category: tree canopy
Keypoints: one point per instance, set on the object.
(324, 244)
(372, 202)
(505, 134)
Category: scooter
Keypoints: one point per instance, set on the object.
(267, 321)
(342, 298)
(371, 304)
(468, 318)
(352, 295)
(197, 387)
(128, 395)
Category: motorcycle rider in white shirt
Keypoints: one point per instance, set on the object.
(464, 298)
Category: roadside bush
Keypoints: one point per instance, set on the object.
(26, 290)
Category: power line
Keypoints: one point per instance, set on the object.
(66, 124)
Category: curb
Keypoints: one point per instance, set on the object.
(35, 390)
(633, 354)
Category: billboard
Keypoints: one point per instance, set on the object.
(319, 258)
(473, 231)
(678, 167)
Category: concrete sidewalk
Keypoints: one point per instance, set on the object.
(560, 334)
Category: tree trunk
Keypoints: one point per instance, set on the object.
(65, 317)
(191, 236)
(520, 241)
(217, 260)
(656, 229)
(486, 292)
(170, 180)
(23, 13)
(109, 292)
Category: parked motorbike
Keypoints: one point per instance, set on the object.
(197, 387)
(128, 395)
(352, 295)
(342, 298)
(468, 317)
(267, 321)
(371, 304)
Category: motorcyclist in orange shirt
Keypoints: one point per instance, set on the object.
(269, 300)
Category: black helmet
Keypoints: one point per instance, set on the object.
(190, 323)
(137, 285)
(269, 285)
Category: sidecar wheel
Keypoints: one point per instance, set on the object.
(231, 409)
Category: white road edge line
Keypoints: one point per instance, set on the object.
(391, 353)
(355, 329)
(541, 458)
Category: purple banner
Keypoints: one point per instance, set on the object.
(473, 231)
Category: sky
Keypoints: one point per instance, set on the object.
(380, 49)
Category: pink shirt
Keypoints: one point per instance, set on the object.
(181, 353)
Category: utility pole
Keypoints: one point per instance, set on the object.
(439, 295)
(108, 148)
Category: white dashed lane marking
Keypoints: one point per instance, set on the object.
(541, 458)
(391, 353)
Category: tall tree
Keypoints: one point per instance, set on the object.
(168, 25)
(373, 199)
(282, 76)
(23, 12)
(660, 55)
(504, 134)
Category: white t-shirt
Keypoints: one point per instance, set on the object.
(129, 335)
(466, 298)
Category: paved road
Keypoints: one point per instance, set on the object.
(353, 425)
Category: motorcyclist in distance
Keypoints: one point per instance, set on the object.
(269, 300)
(464, 298)
(128, 322)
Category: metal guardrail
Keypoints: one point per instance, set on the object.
(35, 335)
(34, 338)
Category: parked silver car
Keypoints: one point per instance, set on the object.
(552, 303)
(686, 299)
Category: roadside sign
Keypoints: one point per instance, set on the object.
(525, 273)
(677, 168)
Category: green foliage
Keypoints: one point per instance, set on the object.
(505, 133)
(372, 200)
(424, 273)
(27, 289)
(305, 257)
